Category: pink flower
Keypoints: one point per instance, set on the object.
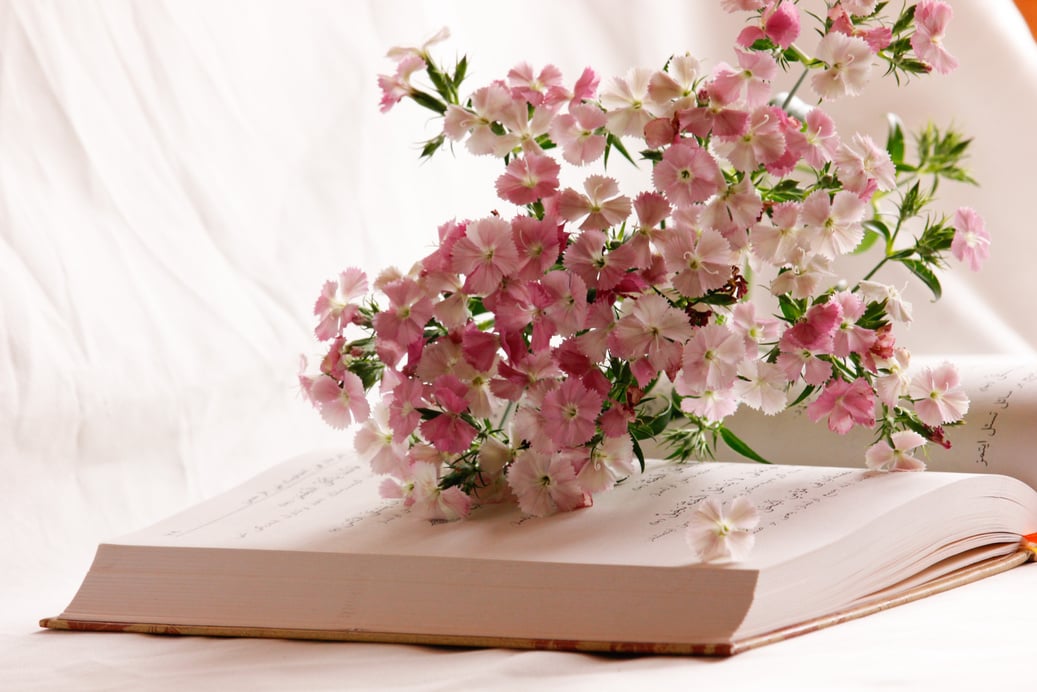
(834, 224)
(849, 337)
(490, 104)
(971, 242)
(570, 412)
(340, 404)
(755, 72)
(653, 329)
(529, 178)
(762, 386)
(409, 310)
(848, 61)
(536, 242)
(846, 404)
(700, 262)
(718, 533)
(376, 444)
(781, 23)
(609, 462)
(486, 254)
(762, 143)
(712, 404)
(776, 236)
(624, 102)
(545, 483)
(864, 166)
(401, 52)
(939, 397)
(449, 432)
(575, 132)
(335, 308)
(674, 89)
(543, 89)
(687, 174)
(816, 331)
(710, 360)
(882, 457)
(601, 208)
(394, 87)
(931, 19)
(821, 138)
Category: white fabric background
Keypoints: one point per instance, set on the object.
(177, 179)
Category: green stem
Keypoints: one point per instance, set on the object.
(794, 89)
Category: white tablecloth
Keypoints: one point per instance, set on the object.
(177, 179)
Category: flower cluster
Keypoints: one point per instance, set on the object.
(527, 357)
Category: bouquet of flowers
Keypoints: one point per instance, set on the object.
(532, 352)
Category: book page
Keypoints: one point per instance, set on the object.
(999, 434)
(330, 503)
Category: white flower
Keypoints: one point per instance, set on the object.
(722, 534)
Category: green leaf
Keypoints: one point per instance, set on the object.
(895, 138)
(428, 101)
(923, 272)
(866, 243)
(877, 226)
(639, 453)
(736, 444)
(613, 141)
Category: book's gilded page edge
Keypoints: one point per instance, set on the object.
(964, 576)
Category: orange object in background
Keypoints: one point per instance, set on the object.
(1029, 10)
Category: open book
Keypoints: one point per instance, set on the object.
(309, 550)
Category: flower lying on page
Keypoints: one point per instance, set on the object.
(718, 533)
(528, 356)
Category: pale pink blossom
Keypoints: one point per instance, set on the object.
(848, 61)
(859, 8)
(755, 330)
(599, 269)
(762, 143)
(625, 104)
(755, 71)
(898, 457)
(542, 89)
(896, 382)
(397, 85)
(777, 235)
(821, 138)
(570, 412)
(719, 533)
(833, 224)
(490, 105)
(485, 255)
(428, 500)
(335, 307)
(896, 307)
(816, 330)
(401, 52)
(528, 178)
(849, 337)
(742, 5)
(805, 272)
(576, 132)
(409, 310)
(687, 174)
(342, 403)
(846, 404)
(545, 483)
(971, 242)
(652, 329)
(376, 443)
(938, 394)
(610, 461)
(710, 359)
(674, 89)
(700, 262)
(762, 386)
(711, 404)
(931, 19)
(601, 208)
(863, 166)
(735, 209)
